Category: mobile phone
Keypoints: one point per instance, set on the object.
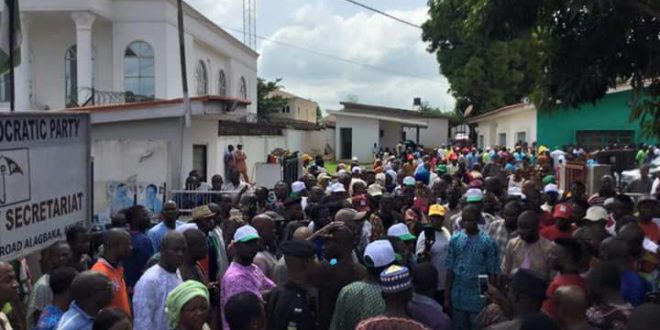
(483, 285)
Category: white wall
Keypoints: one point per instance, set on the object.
(201, 132)
(365, 133)
(433, 136)
(509, 122)
(392, 134)
(316, 141)
(256, 148)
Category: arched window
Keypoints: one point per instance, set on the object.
(222, 84)
(71, 77)
(243, 89)
(202, 78)
(139, 73)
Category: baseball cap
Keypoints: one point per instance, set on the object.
(348, 214)
(337, 187)
(550, 187)
(562, 211)
(647, 199)
(437, 209)
(356, 170)
(395, 279)
(401, 231)
(596, 213)
(375, 190)
(409, 181)
(298, 186)
(380, 253)
(473, 195)
(549, 179)
(441, 169)
(245, 234)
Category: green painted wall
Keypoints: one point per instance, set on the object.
(612, 112)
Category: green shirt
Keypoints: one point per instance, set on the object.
(640, 158)
(356, 302)
(485, 157)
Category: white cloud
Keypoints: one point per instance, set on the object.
(366, 38)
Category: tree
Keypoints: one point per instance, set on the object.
(568, 51)
(266, 102)
(319, 114)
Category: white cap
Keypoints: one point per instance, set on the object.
(298, 186)
(341, 171)
(401, 231)
(608, 201)
(355, 159)
(245, 233)
(337, 187)
(356, 170)
(596, 213)
(550, 187)
(409, 181)
(515, 191)
(380, 252)
(185, 226)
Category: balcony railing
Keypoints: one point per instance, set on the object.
(97, 97)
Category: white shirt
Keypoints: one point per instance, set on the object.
(232, 190)
(150, 296)
(438, 253)
(40, 297)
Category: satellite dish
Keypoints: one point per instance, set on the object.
(468, 110)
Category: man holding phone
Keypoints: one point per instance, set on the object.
(432, 245)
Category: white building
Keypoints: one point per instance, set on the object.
(359, 126)
(506, 126)
(82, 52)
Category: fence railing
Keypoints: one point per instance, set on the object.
(187, 200)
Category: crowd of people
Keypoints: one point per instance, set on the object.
(454, 238)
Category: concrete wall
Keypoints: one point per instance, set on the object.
(433, 136)
(365, 133)
(316, 142)
(392, 134)
(256, 148)
(299, 109)
(509, 123)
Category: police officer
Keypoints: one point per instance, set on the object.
(289, 306)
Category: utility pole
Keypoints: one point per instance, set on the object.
(184, 71)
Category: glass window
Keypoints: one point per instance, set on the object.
(222, 84)
(481, 141)
(521, 137)
(202, 78)
(139, 73)
(243, 89)
(502, 139)
(71, 77)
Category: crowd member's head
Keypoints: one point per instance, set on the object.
(623, 205)
(595, 216)
(401, 233)
(8, 283)
(378, 256)
(345, 180)
(217, 217)
(116, 245)
(571, 304)
(316, 194)
(60, 283)
(172, 251)
(562, 214)
(137, 217)
(299, 256)
(197, 248)
(266, 229)
(647, 208)
(229, 227)
(118, 220)
(425, 279)
(91, 292)
(579, 211)
(78, 238)
(339, 243)
(528, 226)
(301, 232)
(319, 214)
(470, 217)
(494, 185)
(577, 191)
(526, 291)
(510, 212)
(607, 186)
(565, 255)
(293, 209)
(112, 319)
(187, 306)
(644, 317)
(604, 283)
(216, 182)
(226, 203)
(59, 255)
(397, 290)
(245, 244)
(170, 214)
(261, 193)
(353, 220)
(248, 206)
(245, 311)
(633, 235)
(437, 216)
(614, 250)
(204, 218)
(281, 190)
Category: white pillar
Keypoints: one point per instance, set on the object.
(84, 22)
(23, 72)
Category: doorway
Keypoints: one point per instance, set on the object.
(346, 142)
(199, 160)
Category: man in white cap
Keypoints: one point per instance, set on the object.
(356, 176)
(596, 216)
(299, 189)
(242, 274)
(361, 300)
(400, 231)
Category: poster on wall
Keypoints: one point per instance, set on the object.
(121, 195)
(44, 179)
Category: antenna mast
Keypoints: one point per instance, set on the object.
(250, 23)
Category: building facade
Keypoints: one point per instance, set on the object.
(506, 126)
(296, 108)
(81, 52)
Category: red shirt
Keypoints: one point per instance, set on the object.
(650, 230)
(552, 233)
(558, 281)
(116, 276)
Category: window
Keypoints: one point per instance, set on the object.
(521, 137)
(202, 78)
(222, 84)
(139, 73)
(288, 109)
(480, 144)
(70, 77)
(502, 139)
(382, 133)
(4, 88)
(243, 89)
(199, 160)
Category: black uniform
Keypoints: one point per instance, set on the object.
(290, 307)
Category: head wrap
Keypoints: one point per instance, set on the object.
(181, 295)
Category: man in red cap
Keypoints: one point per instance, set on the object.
(563, 227)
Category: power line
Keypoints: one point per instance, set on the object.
(384, 14)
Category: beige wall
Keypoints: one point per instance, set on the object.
(299, 109)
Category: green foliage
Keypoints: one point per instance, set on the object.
(267, 103)
(319, 114)
(557, 51)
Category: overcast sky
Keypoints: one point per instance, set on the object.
(344, 30)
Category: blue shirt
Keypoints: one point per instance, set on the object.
(75, 319)
(157, 232)
(134, 265)
(633, 287)
(49, 318)
(468, 257)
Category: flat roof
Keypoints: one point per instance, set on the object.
(405, 122)
(509, 108)
(379, 110)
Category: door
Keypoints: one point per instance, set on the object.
(346, 142)
(199, 160)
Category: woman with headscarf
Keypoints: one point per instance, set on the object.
(187, 306)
